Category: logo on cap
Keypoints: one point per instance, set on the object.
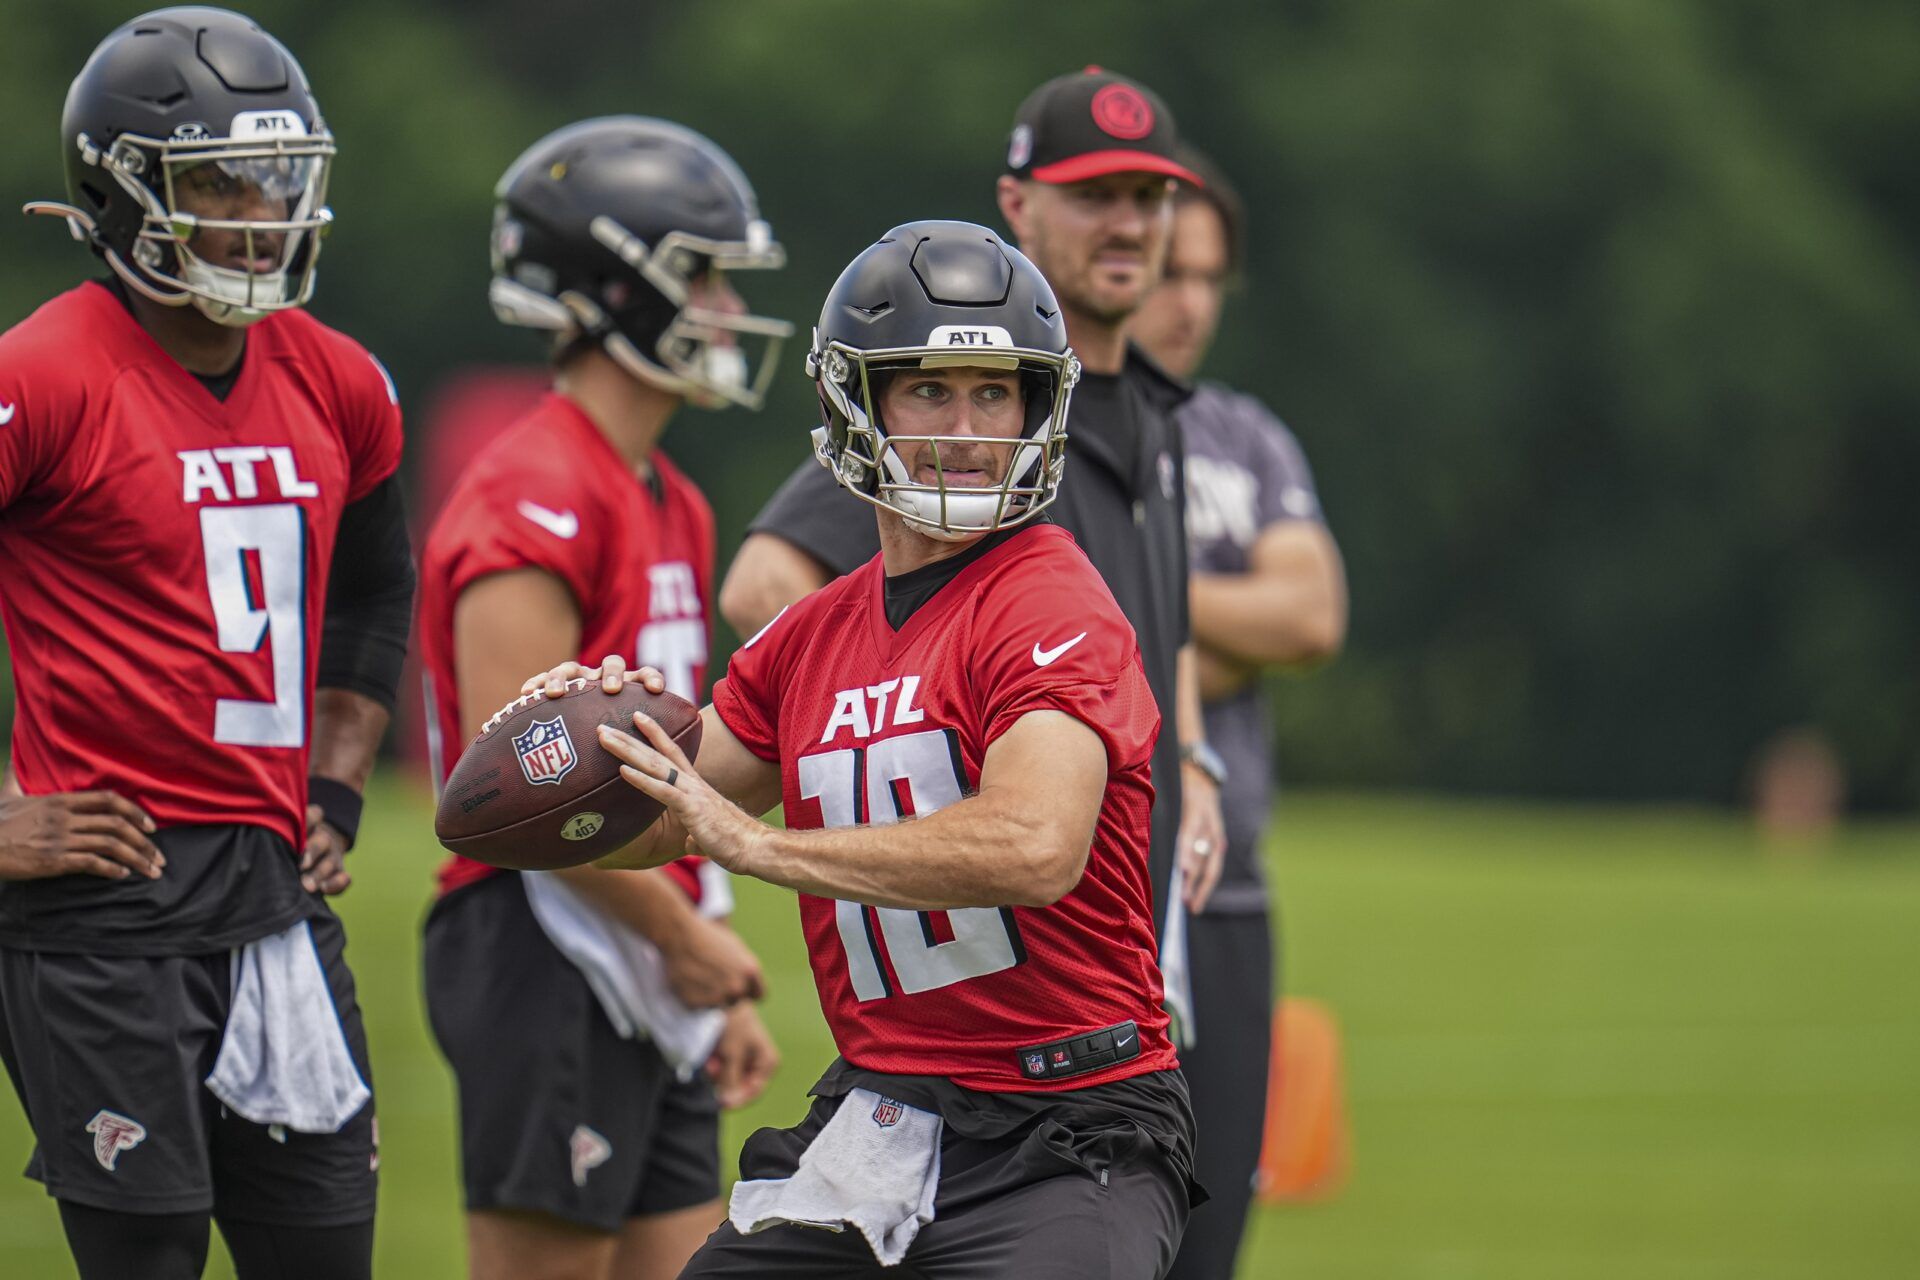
(1020, 150)
(1121, 110)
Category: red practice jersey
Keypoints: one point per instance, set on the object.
(552, 493)
(180, 544)
(869, 726)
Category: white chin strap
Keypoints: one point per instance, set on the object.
(222, 295)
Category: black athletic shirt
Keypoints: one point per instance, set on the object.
(1123, 499)
(906, 592)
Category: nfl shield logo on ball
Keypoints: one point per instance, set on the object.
(887, 1114)
(545, 751)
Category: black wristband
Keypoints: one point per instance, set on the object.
(339, 803)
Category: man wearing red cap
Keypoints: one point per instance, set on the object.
(1088, 191)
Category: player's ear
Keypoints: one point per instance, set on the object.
(1011, 193)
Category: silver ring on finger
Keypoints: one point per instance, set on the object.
(1203, 846)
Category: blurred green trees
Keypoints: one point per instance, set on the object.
(1598, 318)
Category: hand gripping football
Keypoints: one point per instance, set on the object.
(536, 791)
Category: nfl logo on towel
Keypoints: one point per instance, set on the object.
(887, 1113)
(545, 751)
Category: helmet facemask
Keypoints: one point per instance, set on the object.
(710, 358)
(271, 162)
(877, 463)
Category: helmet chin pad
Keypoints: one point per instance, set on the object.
(223, 295)
(967, 515)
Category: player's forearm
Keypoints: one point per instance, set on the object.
(1281, 618)
(978, 852)
(347, 729)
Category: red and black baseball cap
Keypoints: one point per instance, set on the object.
(1090, 123)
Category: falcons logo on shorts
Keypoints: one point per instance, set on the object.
(112, 1134)
(589, 1151)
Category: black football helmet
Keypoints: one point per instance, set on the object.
(179, 120)
(602, 229)
(931, 295)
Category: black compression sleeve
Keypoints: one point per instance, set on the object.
(108, 1244)
(274, 1252)
(369, 598)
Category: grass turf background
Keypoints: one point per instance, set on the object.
(1581, 1042)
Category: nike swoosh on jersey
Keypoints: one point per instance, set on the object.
(1045, 657)
(6, 413)
(1121, 1044)
(561, 524)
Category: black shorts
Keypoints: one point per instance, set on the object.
(558, 1114)
(1067, 1201)
(109, 1055)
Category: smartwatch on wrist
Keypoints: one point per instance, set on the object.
(1204, 758)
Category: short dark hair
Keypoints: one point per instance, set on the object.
(1219, 195)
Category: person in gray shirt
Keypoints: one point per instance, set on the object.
(1267, 590)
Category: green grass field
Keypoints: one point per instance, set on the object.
(1581, 1042)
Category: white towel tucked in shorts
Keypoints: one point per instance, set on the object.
(626, 971)
(284, 1058)
(875, 1166)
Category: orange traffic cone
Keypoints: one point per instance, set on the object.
(1305, 1152)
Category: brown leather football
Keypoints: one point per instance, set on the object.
(536, 791)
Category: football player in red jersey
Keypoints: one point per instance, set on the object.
(197, 493)
(960, 732)
(581, 1010)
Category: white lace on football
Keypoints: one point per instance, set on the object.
(576, 685)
